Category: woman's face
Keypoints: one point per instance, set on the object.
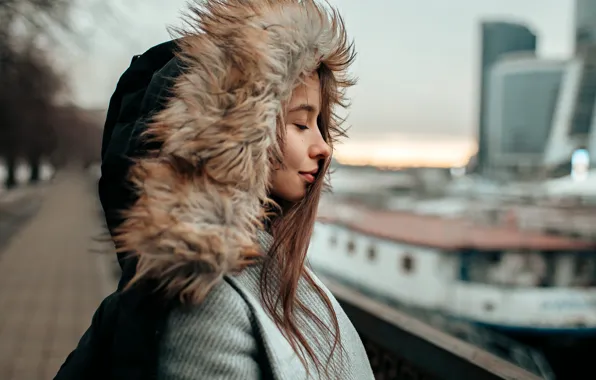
(304, 146)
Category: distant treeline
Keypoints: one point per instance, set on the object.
(36, 123)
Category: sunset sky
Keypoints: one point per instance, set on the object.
(416, 101)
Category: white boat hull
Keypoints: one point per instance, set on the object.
(432, 283)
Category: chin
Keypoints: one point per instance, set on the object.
(292, 197)
(295, 198)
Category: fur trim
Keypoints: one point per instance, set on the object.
(202, 196)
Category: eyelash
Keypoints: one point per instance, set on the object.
(301, 127)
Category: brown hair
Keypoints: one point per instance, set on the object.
(289, 249)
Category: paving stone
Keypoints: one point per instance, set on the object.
(50, 284)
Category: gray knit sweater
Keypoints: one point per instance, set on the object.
(231, 336)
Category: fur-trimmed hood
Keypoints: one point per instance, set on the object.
(202, 197)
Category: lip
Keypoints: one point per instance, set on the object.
(309, 177)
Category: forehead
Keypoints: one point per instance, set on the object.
(308, 92)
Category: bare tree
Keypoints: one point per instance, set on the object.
(80, 135)
(37, 15)
(28, 89)
(39, 86)
(28, 84)
(33, 124)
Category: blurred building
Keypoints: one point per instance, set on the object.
(575, 117)
(585, 24)
(522, 96)
(497, 38)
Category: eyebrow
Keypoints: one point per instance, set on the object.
(304, 107)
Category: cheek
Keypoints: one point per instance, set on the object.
(287, 185)
(294, 154)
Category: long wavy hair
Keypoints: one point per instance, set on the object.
(292, 227)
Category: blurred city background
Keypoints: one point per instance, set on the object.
(461, 232)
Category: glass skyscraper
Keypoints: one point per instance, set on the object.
(521, 103)
(497, 39)
(585, 24)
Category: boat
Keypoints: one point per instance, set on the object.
(498, 276)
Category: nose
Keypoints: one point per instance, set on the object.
(319, 149)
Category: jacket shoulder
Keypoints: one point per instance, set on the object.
(215, 339)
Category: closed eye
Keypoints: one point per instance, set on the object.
(301, 127)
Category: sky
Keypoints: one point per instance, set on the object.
(416, 100)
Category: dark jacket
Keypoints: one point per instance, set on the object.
(122, 341)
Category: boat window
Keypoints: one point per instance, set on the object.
(584, 271)
(529, 268)
(351, 247)
(372, 253)
(407, 263)
(489, 306)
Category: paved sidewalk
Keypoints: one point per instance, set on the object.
(50, 281)
(16, 208)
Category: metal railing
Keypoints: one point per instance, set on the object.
(403, 347)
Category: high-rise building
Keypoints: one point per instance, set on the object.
(521, 100)
(574, 120)
(498, 38)
(585, 24)
(585, 51)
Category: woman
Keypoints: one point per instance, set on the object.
(227, 204)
